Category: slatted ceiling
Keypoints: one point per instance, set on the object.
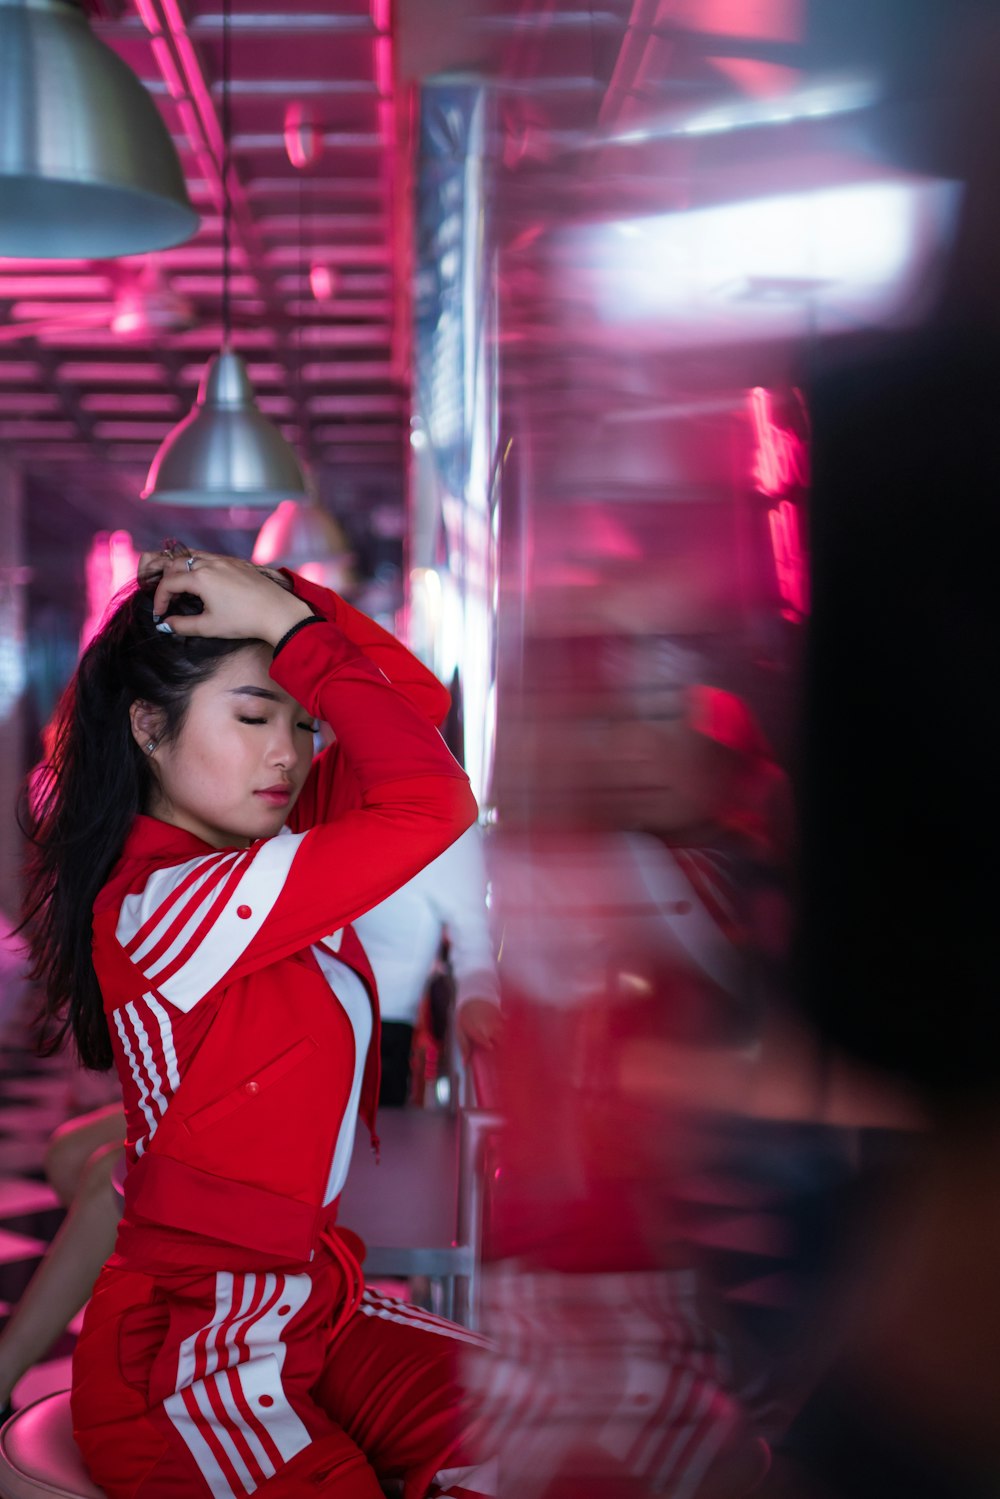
(276, 193)
(18, 372)
(248, 22)
(210, 15)
(347, 283)
(30, 312)
(354, 372)
(90, 337)
(358, 432)
(356, 405)
(38, 282)
(204, 252)
(27, 429)
(269, 59)
(205, 340)
(245, 340)
(120, 372)
(27, 402)
(261, 375)
(364, 456)
(60, 452)
(282, 226)
(346, 395)
(378, 310)
(333, 57)
(275, 405)
(140, 454)
(330, 254)
(140, 403)
(208, 285)
(373, 338)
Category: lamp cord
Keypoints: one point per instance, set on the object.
(226, 165)
(299, 326)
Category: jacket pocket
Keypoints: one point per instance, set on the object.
(251, 1086)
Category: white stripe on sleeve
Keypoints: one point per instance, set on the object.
(161, 897)
(139, 1080)
(152, 1073)
(196, 964)
(166, 1040)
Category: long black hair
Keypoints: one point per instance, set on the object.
(82, 801)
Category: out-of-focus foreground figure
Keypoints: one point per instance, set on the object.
(897, 940)
(717, 201)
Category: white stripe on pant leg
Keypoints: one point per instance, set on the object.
(420, 1314)
(262, 1378)
(204, 1457)
(187, 1354)
(224, 1357)
(441, 1330)
(260, 1381)
(250, 1436)
(260, 1330)
(249, 1479)
(264, 1330)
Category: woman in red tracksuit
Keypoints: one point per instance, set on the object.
(230, 1345)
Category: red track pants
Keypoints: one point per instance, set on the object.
(232, 1383)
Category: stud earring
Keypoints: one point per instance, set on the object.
(149, 746)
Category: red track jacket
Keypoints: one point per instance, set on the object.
(228, 976)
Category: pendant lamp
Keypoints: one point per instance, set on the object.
(87, 167)
(303, 536)
(225, 451)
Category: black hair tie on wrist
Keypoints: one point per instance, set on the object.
(310, 619)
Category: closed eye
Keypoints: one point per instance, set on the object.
(310, 728)
(244, 719)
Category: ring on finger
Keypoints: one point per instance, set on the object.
(189, 562)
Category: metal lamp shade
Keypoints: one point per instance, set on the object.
(299, 532)
(304, 537)
(87, 167)
(225, 451)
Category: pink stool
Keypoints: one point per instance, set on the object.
(38, 1457)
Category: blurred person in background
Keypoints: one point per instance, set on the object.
(619, 885)
(403, 936)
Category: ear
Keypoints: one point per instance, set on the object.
(147, 724)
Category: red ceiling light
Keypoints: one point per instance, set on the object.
(303, 135)
(322, 281)
(781, 461)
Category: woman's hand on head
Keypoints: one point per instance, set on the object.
(239, 600)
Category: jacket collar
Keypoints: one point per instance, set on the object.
(150, 838)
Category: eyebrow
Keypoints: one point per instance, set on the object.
(254, 692)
